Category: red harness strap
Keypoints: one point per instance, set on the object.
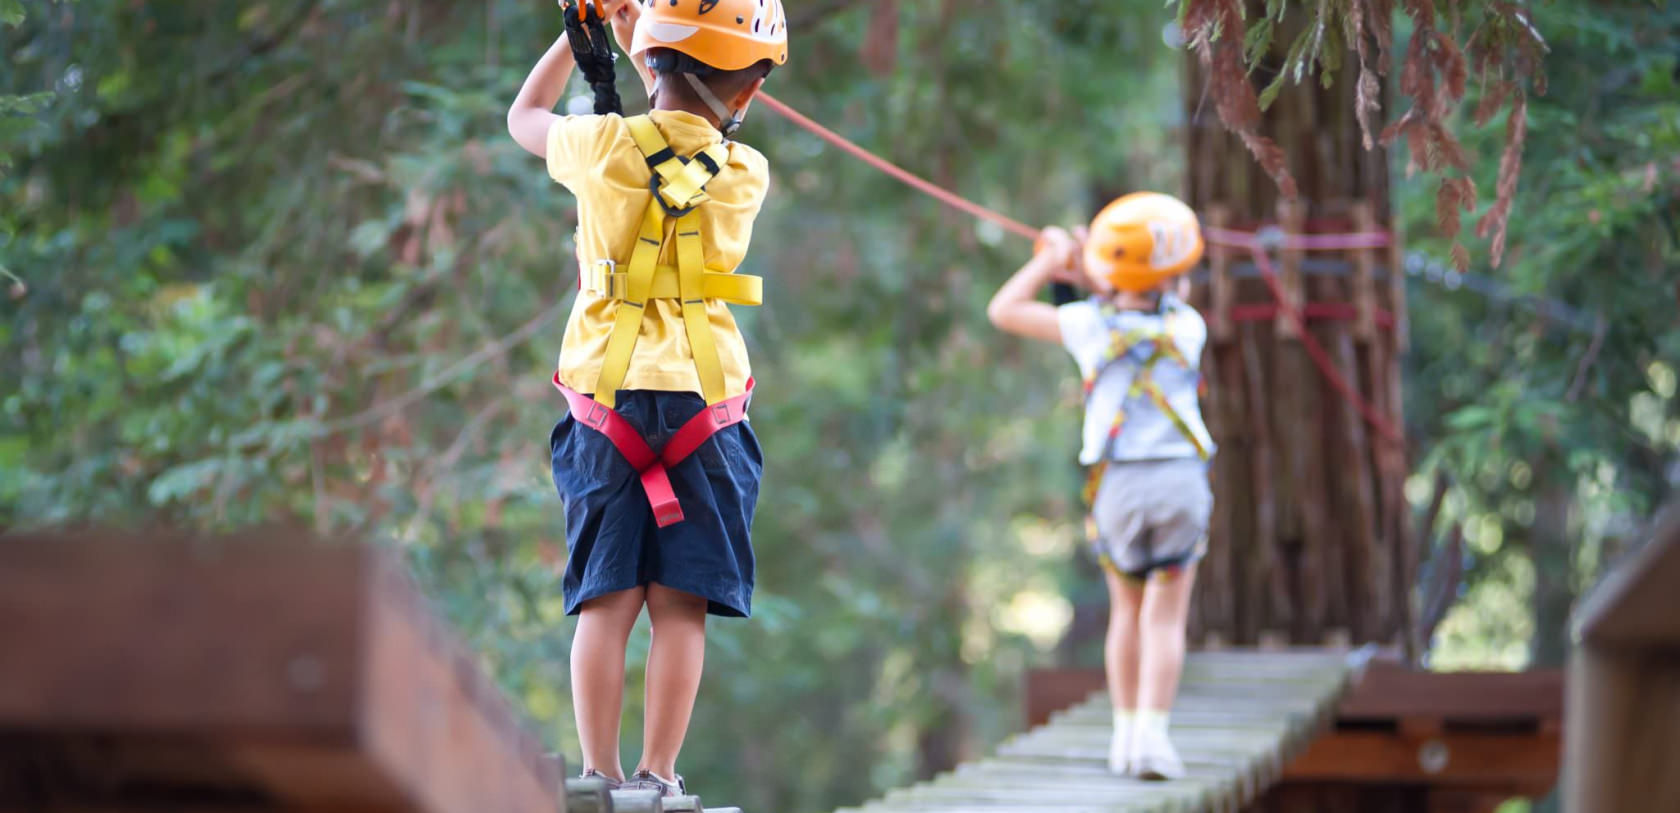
(654, 467)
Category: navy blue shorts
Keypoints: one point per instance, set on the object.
(614, 543)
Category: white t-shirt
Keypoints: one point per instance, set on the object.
(1148, 434)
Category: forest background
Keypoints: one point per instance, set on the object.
(279, 262)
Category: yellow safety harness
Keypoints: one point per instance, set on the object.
(1143, 383)
(677, 186)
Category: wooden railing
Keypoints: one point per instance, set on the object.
(259, 673)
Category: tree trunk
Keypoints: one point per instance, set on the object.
(1309, 518)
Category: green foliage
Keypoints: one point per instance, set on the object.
(285, 265)
(1519, 411)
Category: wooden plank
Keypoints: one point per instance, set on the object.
(1450, 758)
(1637, 605)
(1238, 718)
(156, 634)
(1390, 691)
(174, 673)
(1624, 688)
(432, 719)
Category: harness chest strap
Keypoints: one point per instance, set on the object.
(604, 279)
(677, 187)
(654, 467)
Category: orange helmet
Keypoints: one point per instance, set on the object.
(1142, 240)
(726, 34)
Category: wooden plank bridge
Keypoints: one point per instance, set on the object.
(1240, 718)
(258, 674)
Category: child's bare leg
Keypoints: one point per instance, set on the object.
(1120, 656)
(1120, 648)
(673, 674)
(1166, 611)
(598, 675)
(1166, 608)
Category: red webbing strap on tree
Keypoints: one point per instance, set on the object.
(653, 467)
(1321, 359)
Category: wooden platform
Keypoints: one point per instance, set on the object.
(1241, 717)
(151, 673)
(1624, 691)
(1416, 740)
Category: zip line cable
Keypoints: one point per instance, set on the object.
(916, 182)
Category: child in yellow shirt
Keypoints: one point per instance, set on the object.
(655, 461)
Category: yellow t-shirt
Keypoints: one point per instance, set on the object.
(597, 159)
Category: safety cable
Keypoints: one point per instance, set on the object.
(1255, 242)
(920, 184)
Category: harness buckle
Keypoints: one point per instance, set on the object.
(723, 413)
(670, 211)
(605, 285)
(597, 415)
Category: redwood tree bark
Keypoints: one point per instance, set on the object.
(1308, 539)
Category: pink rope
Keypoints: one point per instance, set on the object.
(1253, 241)
(924, 186)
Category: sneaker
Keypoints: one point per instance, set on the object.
(1120, 751)
(648, 780)
(1154, 758)
(611, 783)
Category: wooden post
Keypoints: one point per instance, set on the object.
(1364, 276)
(1397, 287)
(1292, 219)
(1221, 288)
(167, 672)
(1624, 686)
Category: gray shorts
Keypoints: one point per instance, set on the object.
(1152, 514)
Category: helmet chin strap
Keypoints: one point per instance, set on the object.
(728, 120)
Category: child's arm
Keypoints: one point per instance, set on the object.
(532, 112)
(1015, 307)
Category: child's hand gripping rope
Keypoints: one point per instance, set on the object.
(1065, 249)
(587, 34)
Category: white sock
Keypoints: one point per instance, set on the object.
(1150, 723)
(1120, 747)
